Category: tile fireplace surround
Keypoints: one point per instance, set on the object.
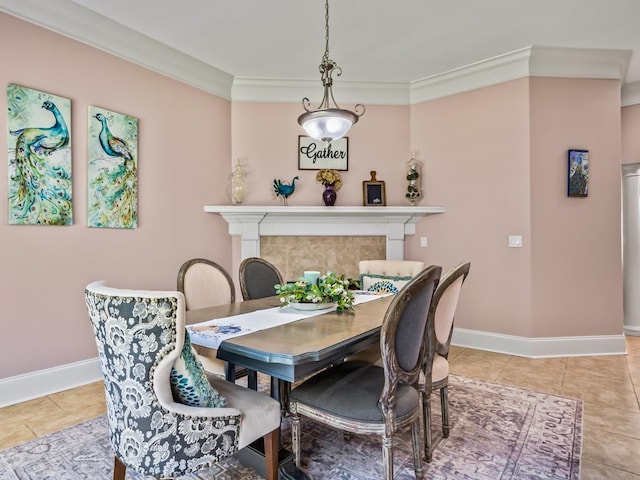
(251, 223)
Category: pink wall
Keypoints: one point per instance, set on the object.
(631, 134)
(576, 256)
(494, 157)
(184, 145)
(265, 136)
(475, 149)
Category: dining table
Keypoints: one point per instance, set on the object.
(288, 351)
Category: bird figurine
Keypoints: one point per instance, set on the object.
(40, 193)
(284, 189)
(112, 145)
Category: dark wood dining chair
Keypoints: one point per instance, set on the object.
(204, 283)
(363, 398)
(441, 313)
(257, 278)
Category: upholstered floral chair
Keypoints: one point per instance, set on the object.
(166, 418)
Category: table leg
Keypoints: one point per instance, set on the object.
(252, 379)
(230, 372)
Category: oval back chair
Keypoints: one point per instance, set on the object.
(363, 398)
(442, 313)
(257, 278)
(205, 283)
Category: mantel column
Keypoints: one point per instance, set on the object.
(395, 239)
(247, 226)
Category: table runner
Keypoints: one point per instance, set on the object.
(213, 332)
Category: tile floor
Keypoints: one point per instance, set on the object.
(609, 386)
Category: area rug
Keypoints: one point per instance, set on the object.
(498, 432)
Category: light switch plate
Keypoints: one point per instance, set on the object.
(423, 242)
(515, 241)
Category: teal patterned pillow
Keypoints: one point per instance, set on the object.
(189, 383)
(382, 283)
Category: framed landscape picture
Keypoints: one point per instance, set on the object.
(578, 174)
(315, 154)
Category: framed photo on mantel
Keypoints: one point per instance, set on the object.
(373, 193)
(315, 154)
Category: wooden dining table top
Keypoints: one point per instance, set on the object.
(293, 350)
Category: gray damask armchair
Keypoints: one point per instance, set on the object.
(139, 335)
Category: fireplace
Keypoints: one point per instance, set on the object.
(382, 228)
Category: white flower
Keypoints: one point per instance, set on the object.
(138, 372)
(161, 452)
(136, 399)
(140, 310)
(117, 335)
(132, 446)
(194, 430)
(148, 343)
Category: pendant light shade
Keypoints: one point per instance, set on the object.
(329, 122)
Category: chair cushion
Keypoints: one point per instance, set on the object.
(189, 383)
(382, 283)
(352, 390)
(440, 368)
(260, 413)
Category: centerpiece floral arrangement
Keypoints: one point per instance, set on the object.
(330, 288)
(328, 176)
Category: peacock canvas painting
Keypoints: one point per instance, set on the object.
(39, 147)
(112, 170)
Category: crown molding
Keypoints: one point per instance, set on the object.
(578, 63)
(255, 89)
(86, 26)
(531, 61)
(630, 94)
(71, 19)
(492, 71)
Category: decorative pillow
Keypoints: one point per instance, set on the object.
(382, 283)
(189, 383)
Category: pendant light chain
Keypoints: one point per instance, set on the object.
(325, 57)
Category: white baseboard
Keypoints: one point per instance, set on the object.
(51, 380)
(632, 330)
(540, 347)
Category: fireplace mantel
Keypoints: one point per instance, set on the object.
(251, 222)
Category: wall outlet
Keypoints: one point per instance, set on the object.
(515, 241)
(423, 242)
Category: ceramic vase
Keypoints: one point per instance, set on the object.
(238, 184)
(329, 195)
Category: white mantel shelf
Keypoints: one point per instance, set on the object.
(251, 222)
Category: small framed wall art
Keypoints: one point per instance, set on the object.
(578, 173)
(373, 193)
(315, 154)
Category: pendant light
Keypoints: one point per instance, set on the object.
(329, 122)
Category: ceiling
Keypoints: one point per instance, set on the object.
(372, 40)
